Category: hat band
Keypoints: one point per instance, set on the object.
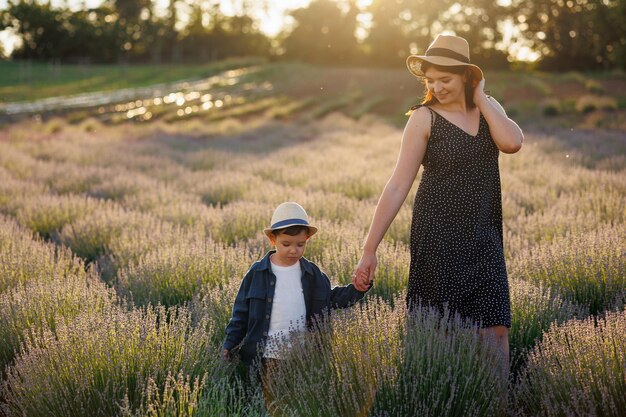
(447, 53)
(289, 222)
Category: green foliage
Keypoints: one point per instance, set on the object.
(283, 112)
(226, 36)
(374, 360)
(568, 36)
(224, 187)
(27, 80)
(323, 34)
(550, 107)
(367, 106)
(84, 34)
(594, 87)
(582, 36)
(230, 227)
(333, 105)
(215, 303)
(121, 30)
(588, 103)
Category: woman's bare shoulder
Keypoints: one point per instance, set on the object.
(420, 121)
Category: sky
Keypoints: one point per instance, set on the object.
(272, 18)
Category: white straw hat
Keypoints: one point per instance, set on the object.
(445, 51)
(289, 214)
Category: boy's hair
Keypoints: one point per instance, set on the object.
(291, 230)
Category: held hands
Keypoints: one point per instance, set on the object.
(360, 280)
(363, 276)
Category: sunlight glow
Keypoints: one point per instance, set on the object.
(273, 16)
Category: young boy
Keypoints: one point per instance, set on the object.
(282, 292)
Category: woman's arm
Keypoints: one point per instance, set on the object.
(506, 134)
(414, 142)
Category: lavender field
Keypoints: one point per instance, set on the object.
(122, 246)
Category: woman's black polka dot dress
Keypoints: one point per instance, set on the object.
(457, 256)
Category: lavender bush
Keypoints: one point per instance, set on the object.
(533, 311)
(172, 213)
(588, 269)
(172, 275)
(25, 311)
(578, 369)
(47, 214)
(337, 368)
(24, 258)
(444, 368)
(105, 361)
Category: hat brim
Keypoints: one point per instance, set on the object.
(312, 229)
(414, 63)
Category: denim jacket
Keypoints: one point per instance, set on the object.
(250, 319)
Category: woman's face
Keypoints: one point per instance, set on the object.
(446, 87)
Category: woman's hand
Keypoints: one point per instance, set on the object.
(479, 91)
(364, 273)
(506, 134)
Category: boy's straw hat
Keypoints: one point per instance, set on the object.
(289, 214)
(445, 51)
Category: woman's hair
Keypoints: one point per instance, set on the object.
(459, 70)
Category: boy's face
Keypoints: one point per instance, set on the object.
(289, 249)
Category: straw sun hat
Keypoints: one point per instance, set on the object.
(289, 214)
(445, 51)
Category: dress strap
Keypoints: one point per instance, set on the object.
(432, 114)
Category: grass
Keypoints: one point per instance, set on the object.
(234, 90)
(31, 80)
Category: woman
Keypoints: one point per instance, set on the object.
(456, 245)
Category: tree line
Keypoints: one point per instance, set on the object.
(568, 34)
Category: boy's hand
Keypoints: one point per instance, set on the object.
(361, 280)
(363, 276)
(226, 355)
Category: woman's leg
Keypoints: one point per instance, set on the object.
(500, 336)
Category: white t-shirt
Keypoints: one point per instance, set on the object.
(288, 309)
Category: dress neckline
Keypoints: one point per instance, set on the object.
(480, 116)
